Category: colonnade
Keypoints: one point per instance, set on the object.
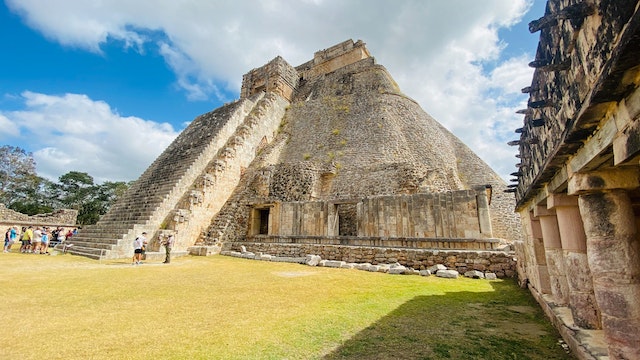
(583, 250)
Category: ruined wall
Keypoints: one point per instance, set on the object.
(333, 58)
(62, 217)
(451, 215)
(441, 215)
(277, 77)
(501, 263)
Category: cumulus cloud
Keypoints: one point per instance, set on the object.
(73, 132)
(434, 49)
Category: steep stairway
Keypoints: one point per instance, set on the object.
(153, 197)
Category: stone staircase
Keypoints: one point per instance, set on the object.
(153, 200)
(218, 182)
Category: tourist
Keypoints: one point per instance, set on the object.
(27, 235)
(36, 241)
(7, 239)
(13, 235)
(44, 248)
(138, 244)
(168, 244)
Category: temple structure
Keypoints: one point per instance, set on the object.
(578, 176)
(326, 158)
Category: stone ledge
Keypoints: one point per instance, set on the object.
(584, 344)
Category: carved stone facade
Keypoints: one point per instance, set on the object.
(578, 180)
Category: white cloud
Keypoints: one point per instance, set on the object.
(74, 132)
(434, 49)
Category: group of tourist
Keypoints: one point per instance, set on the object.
(35, 239)
(140, 247)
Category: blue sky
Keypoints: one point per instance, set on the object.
(104, 87)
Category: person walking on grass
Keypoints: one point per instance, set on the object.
(27, 234)
(7, 239)
(36, 241)
(44, 248)
(138, 244)
(13, 235)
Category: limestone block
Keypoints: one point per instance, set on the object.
(425, 273)
(373, 268)
(490, 276)
(410, 271)
(435, 268)
(474, 274)
(449, 274)
(313, 260)
(334, 263)
(396, 270)
(348, 266)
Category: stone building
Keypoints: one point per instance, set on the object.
(326, 158)
(578, 179)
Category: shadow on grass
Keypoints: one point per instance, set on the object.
(505, 323)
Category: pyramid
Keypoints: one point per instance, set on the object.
(329, 152)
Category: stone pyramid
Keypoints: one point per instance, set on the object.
(330, 141)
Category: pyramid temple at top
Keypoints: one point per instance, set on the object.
(326, 154)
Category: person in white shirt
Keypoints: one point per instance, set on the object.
(138, 245)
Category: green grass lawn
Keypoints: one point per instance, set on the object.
(68, 307)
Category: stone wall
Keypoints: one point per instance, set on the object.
(503, 264)
(62, 217)
(333, 58)
(456, 215)
(277, 77)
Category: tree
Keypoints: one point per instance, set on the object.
(76, 190)
(20, 186)
(22, 190)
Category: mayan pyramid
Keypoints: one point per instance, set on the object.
(334, 135)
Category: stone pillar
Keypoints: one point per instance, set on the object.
(574, 246)
(484, 218)
(540, 276)
(553, 254)
(613, 251)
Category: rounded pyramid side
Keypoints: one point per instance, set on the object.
(473, 172)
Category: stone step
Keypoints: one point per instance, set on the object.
(93, 245)
(87, 252)
(105, 234)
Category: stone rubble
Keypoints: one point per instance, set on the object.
(394, 269)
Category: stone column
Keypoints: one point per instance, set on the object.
(613, 251)
(582, 299)
(553, 254)
(540, 274)
(484, 218)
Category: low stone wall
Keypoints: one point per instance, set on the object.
(62, 217)
(503, 264)
(385, 242)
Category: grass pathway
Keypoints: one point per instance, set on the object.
(67, 307)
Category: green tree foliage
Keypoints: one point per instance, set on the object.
(77, 190)
(22, 190)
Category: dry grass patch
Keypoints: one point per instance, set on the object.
(67, 307)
